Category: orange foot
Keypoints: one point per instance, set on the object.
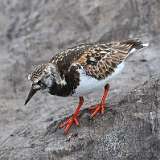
(73, 119)
(68, 123)
(100, 108)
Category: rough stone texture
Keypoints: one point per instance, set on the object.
(31, 32)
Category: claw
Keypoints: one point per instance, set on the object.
(68, 123)
(73, 119)
(99, 108)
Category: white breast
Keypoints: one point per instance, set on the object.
(89, 84)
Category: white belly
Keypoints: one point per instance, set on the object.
(89, 84)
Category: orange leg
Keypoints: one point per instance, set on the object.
(102, 105)
(73, 119)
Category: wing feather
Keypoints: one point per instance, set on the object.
(98, 60)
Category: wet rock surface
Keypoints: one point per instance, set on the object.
(33, 31)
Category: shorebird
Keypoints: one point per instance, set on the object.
(81, 70)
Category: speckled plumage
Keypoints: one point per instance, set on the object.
(80, 70)
(99, 59)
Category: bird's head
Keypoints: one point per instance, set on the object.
(43, 77)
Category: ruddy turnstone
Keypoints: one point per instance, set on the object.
(81, 70)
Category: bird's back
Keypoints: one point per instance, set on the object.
(82, 69)
(98, 59)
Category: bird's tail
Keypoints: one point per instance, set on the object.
(136, 45)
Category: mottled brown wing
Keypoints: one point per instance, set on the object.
(65, 58)
(100, 60)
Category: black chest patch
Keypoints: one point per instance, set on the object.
(72, 81)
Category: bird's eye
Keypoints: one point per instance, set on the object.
(39, 82)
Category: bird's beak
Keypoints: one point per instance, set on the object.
(32, 91)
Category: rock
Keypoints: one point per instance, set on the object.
(129, 131)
